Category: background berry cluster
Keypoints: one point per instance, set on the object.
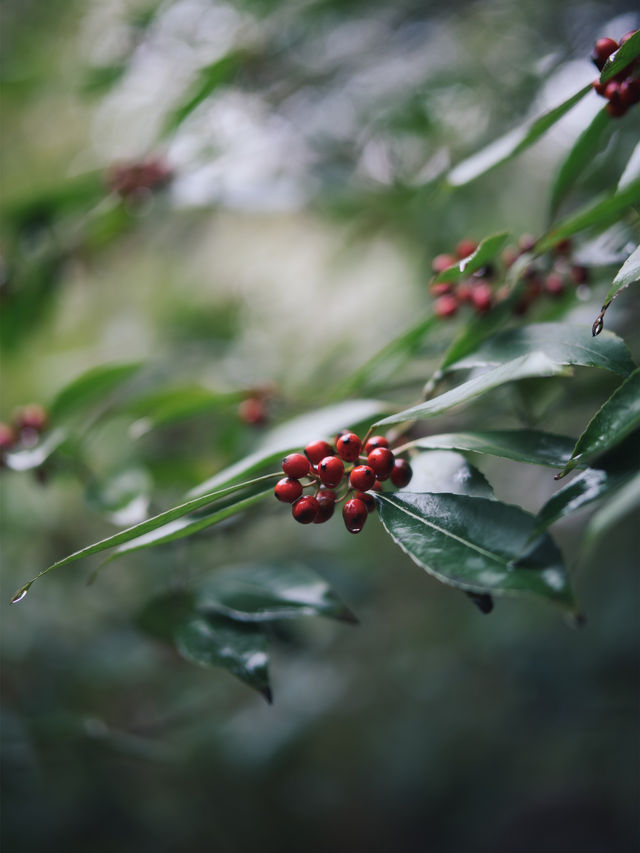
(24, 430)
(623, 90)
(346, 473)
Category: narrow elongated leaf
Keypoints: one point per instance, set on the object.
(587, 487)
(259, 593)
(445, 471)
(522, 445)
(615, 420)
(175, 404)
(240, 648)
(621, 58)
(138, 530)
(561, 342)
(486, 252)
(512, 143)
(590, 142)
(631, 170)
(598, 215)
(534, 364)
(90, 387)
(626, 275)
(476, 545)
(625, 501)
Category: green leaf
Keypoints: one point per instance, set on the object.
(625, 501)
(138, 530)
(632, 170)
(534, 364)
(613, 422)
(621, 58)
(521, 445)
(175, 404)
(123, 496)
(486, 252)
(590, 142)
(562, 343)
(259, 593)
(602, 213)
(89, 388)
(626, 275)
(211, 77)
(477, 330)
(237, 647)
(34, 457)
(476, 544)
(444, 471)
(589, 486)
(512, 143)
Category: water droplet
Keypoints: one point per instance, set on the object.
(19, 595)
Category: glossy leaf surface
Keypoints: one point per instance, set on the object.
(623, 503)
(535, 364)
(621, 58)
(486, 252)
(628, 273)
(438, 471)
(587, 487)
(476, 544)
(522, 445)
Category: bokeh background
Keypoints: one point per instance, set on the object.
(293, 240)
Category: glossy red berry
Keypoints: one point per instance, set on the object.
(317, 450)
(349, 446)
(288, 490)
(295, 465)
(362, 477)
(599, 87)
(368, 500)
(445, 306)
(381, 459)
(373, 442)
(401, 473)
(481, 297)
(331, 470)
(465, 248)
(627, 36)
(602, 50)
(629, 91)
(354, 513)
(326, 499)
(305, 509)
(442, 262)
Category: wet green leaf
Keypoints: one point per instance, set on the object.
(522, 445)
(486, 252)
(621, 58)
(534, 364)
(512, 143)
(562, 343)
(625, 501)
(475, 544)
(444, 471)
(628, 273)
(588, 486)
(90, 387)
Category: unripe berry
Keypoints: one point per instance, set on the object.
(381, 459)
(288, 490)
(602, 50)
(373, 442)
(354, 513)
(362, 477)
(481, 297)
(445, 306)
(442, 262)
(326, 499)
(317, 450)
(368, 500)
(331, 470)
(349, 446)
(465, 248)
(295, 465)
(305, 509)
(401, 473)
(554, 284)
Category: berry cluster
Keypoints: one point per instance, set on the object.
(326, 474)
(623, 90)
(134, 180)
(543, 276)
(27, 423)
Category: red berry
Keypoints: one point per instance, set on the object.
(481, 297)
(331, 470)
(349, 446)
(442, 262)
(295, 465)
(579, 274)
(563, 247)
(465, 248)
(401, 473)
(445, 306)
(377, 487)
(381, 459)
(326, 499)
(252, 411)
(288, 490)
(362, 477)
(599, 87)
(354, 513)
(305, 509)
(612, 91)
(554, 284)
(629, 92)
(463, 292)
(616, 109)
(440, 288)
(317, 450)
(373, 442)
(627, 36)
(34, 416)
(602, 50)
(368, 500)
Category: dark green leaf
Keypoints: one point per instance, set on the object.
(512, 143)
(624, 502)
(621, 58)
(590, 142)
(615, 420)
(588, 486)
(443, 471)
(259, 593)
(599, 215)
(562, 343)
(534, 364)
(90, 387)
(521, 445)
(486, 252)
(165, 407)
(626, 275)
(476, 544)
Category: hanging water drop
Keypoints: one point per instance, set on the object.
(19, 595)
